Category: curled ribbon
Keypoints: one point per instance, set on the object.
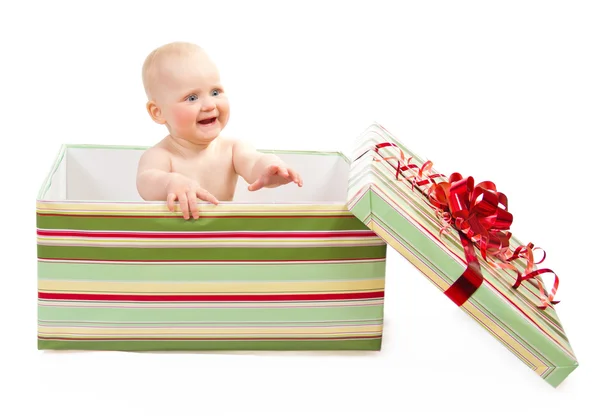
(479, 213)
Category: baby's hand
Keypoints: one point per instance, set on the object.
(276, 175)
(186, 191)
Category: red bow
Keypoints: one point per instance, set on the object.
(478, 211)
(480, 214)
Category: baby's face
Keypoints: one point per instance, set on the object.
(191, 98)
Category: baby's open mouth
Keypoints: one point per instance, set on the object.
(207, 121)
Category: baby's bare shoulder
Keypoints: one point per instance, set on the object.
(227, 145)
(237, 144)
(160, 150)
(228, 141)
(157, 156)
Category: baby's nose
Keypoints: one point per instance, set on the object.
(208, 104)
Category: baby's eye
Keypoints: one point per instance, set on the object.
(215, 92)
(192, 98)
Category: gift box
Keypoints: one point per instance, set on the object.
(457, 233)
(278, 269)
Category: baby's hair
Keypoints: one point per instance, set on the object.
(154, 59)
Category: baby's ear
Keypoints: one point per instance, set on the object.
(155, 112)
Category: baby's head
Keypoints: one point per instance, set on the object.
(185, 92)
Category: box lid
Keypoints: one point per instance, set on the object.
(482, 267)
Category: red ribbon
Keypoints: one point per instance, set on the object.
(480, 215)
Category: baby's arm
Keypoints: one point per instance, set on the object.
(261, 170)
(154, 174)
(155, 181)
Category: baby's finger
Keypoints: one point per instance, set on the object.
(205, 195)
(295, 177)
(171, 201)
(257, 185)
(284, 172)
(277, 170)
(183, 202)
(193, 204)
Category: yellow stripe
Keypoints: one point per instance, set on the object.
(266, 331)
(60, 286)
(535, 363)
(147, 208)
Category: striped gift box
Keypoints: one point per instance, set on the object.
(278, 269)
(398, 213)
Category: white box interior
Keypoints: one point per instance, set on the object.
(109, 174)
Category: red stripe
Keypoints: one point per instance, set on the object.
(229, 235)
(209, 298)
(320, 260)
(203, 216)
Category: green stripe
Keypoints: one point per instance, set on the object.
(362, 208)
(367, 345)
(558, 374)
(140, 314)
(208, 254)
(436, 257)
(254, 223)
(204, 273)
(251, 326)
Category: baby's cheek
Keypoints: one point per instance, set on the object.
(183, 116)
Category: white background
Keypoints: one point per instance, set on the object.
(504, 91)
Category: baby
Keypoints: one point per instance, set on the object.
(194, 161)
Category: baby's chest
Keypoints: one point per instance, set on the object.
(204, 170)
